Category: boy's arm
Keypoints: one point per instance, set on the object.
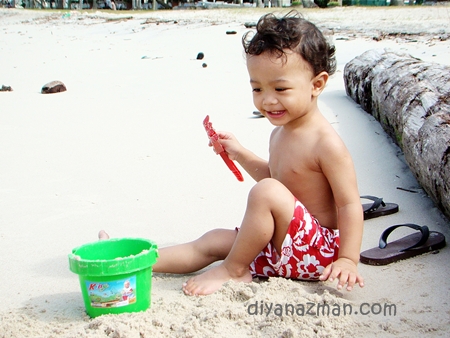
(339, 170)
(255, 166)
(350, 233)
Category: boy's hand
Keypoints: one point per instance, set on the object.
(230, 144)
(345, 270)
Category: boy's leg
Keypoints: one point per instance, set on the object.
(269, 211)
(213, 246)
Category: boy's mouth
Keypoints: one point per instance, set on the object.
(276, 113)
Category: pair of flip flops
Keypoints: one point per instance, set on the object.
(409, 246)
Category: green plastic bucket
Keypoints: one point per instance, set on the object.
(115, 274)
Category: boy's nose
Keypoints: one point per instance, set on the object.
(270, 100)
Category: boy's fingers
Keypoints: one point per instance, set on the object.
(351, 282)
(335, 272)
(342, 280)
(325, 273)
(360, 281)
(345, 277)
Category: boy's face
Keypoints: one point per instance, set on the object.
(283, 88)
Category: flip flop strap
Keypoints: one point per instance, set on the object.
(377, 201)
(423, 229)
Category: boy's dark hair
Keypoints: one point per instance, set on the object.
(292, 31)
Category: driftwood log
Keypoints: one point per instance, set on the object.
(411, 100)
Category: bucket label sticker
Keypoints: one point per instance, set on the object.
(112, 293)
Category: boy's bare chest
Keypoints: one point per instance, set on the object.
(293, 161)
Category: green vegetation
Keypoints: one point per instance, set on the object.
(322, 3)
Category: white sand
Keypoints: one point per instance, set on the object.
(124, 149)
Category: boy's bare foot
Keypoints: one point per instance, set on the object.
(102, 235)
(211, 281)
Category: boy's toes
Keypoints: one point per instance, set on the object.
(186, 292)
(190, 288)
(102, 235)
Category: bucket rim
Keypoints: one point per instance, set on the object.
(120, 265)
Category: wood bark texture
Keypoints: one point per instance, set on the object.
(411, 100)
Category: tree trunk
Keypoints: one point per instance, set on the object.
(308, 4)
(411, 99)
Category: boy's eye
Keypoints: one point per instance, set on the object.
(256, 90)
(280, 89)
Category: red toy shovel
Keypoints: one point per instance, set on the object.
(214, 138)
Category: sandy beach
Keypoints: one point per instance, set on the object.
(124, 149)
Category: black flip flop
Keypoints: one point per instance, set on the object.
(378, 207)
(406, 247)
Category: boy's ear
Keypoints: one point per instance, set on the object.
(319, 82)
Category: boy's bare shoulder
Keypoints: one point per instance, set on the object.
(331, 150)
(275, 131)
(316, 141)
(330, 140)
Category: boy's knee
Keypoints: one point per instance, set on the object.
(268, 186)
(216, 243)
(210, 235)
(268, 189)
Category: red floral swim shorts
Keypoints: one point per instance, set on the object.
(306, 250)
